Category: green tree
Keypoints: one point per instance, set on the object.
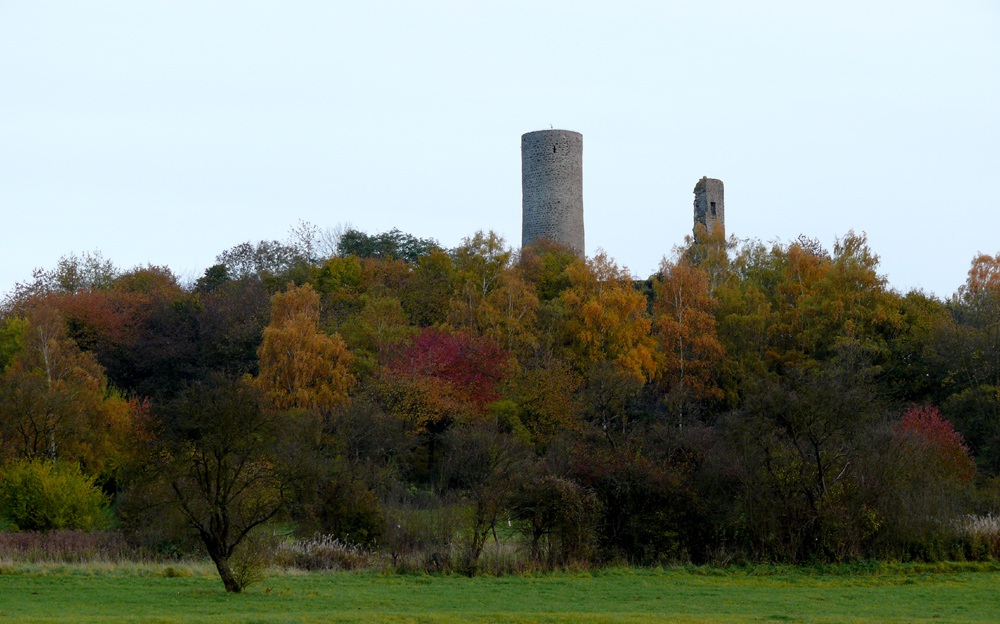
(391, 245)
(222, 465)
(11, 340)
(544, 265)
(796, 446)
(37, 495)
(480, 262)
(969, 349)
(380, 327)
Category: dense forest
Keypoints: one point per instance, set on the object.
(748, 402)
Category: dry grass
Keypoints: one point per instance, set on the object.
(324, 552)
(981, 527)
(68, 547)
(110, 568)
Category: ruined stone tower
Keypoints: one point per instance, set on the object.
(552, 188)
(709, 205)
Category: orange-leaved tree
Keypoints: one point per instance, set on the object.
(606, 318)
(684, 324)
(301, 367)
(54, 401)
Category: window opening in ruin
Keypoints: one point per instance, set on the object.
(553, 149)
(713, 209)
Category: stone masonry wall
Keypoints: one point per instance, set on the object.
(552, 188)
(709, 204)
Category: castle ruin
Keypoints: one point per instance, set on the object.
(552, 191)
(709, 206)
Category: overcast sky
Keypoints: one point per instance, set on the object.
(167, 132)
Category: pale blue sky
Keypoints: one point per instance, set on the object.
(168, 132)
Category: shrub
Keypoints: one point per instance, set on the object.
(422, 535)
(647, 513)
(253, 556)
(345, 510)
(37, 495)
(559, 517)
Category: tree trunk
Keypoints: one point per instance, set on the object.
(220, 556)
(226, 573)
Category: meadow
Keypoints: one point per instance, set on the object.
(112, 593)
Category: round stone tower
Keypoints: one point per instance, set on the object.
(552, 188)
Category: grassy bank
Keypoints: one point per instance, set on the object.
(83, 593)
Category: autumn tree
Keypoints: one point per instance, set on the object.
(822, 300)
(51, 393)
(923, 474)
(471, 367)
(299, 365)
(925, 427)
(684, 325)
(787, 306)
(709, 251)
(441, 379)
(606, 318)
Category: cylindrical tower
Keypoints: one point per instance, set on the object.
(552, 188)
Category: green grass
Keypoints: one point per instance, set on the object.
(957, 593)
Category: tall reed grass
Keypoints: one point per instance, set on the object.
(983, 527)
(325, 552)
(69, 547)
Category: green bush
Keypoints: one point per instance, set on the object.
(38, 495)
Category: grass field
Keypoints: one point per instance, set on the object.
(88, 593)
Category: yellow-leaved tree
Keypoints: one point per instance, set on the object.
(606, 318)
(685, 327)
(300, 366)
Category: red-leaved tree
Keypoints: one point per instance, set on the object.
(925, 428)
(470, 365)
